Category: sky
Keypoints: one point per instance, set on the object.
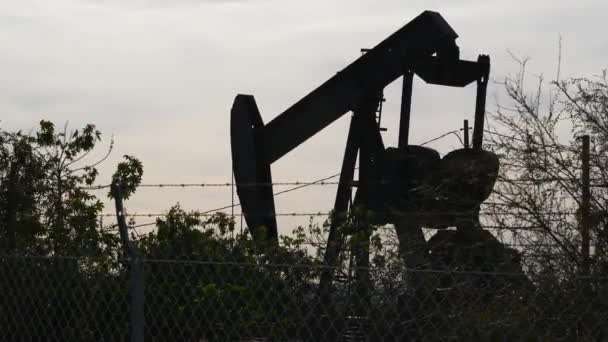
(159, 76)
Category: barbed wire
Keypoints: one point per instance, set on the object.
(490, 227)
(396, 213)
(455, 132)
(321, 182)
(228, 184)
(394, 243)
(326, 181)
(351, 183)
(214, 214)
(380, 228)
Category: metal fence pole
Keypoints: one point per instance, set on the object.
(466, 133)
(11, 209)
(135, 269)
(137, 299)
(585, 208)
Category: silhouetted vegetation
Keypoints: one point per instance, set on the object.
(64, 275)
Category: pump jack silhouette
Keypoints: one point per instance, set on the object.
(409, 186)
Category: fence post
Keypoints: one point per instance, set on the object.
(11, 209)
(585, 208)
(135, 269)
(466, 133)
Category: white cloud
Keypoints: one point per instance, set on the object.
(162, 74)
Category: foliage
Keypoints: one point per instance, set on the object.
(538, 196)
(204, 279)
(204, 268)
(46, 209)
(128, 176)
(58, 262)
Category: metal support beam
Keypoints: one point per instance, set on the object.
(371, 146)
(343, 196)
(135, 268)
(251, 169)
(427, 34)
(480, 103)
(406, 108)
(466, 134)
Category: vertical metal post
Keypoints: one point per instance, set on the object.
(406, 108)
(585, 208)
(123, 228)
(135, 269)
(466, 134)
(11, 208)
(232, 200)
(325, 312)
(480, 103)
(370, 144)
(334, 240)
(137, 300)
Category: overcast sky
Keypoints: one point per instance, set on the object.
(161, 75)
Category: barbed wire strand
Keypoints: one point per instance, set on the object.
(413, 213)
(354, 183)
(298, 186)
(321, 182)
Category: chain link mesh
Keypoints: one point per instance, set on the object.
(62, 299)
(82, 299)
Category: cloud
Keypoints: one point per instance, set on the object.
(167, 4)
(162, 74)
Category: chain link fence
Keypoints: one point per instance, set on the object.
(85, 299)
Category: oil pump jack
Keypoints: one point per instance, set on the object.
(409, 186)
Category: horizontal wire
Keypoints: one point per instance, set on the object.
(489, 227)
(226, 184)
(506, 244)
(299, 185)
(354, 183)
(455, 132)
(214, 214)
(326, 183)
(493, 227)
(397, 213)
